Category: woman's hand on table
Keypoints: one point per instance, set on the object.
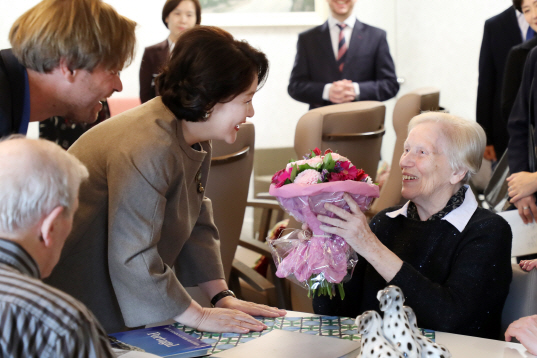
(525, 331)
(250, 308)
(218, 319)
(354, 229)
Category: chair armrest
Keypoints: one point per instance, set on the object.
(254, 279)
(256, 246)
(264, 204)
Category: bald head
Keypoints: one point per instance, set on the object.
(35, 177)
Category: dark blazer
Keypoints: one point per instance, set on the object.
(368, 63)
(500, 35)
(12, 87)
(153, 61)
(512, 77)
(518, 120)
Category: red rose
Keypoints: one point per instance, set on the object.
(328, 151)
(280, 177)
(317, 151)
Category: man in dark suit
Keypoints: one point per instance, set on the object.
(516, 59)
(501, 33)
(44, 75)
(521, 179)
(341, 61)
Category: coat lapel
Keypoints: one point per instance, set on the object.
(325, 42)
(356, 42)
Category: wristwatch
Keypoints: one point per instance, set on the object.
(221, 295)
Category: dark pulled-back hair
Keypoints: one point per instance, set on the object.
(517, 4)
(170, 5)
(208, 66)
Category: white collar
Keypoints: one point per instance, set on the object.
(349, 21)
(458, 217)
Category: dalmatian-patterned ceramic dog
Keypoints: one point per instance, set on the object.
(374, 345)
(429, 349)
(396, 327)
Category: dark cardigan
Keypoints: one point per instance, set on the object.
(455, 281)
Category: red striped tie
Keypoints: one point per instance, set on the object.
(342, 47)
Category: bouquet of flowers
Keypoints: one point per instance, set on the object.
(323, 261)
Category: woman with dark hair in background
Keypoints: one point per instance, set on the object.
(177, 16)
(143, 211)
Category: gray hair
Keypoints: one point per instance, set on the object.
(465, 140)
(36, 176)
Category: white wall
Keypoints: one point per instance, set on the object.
(433, 42)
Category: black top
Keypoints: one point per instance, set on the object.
(500, 34)
(518, 120)
(512, 78)
(12, 86)
(455, 281)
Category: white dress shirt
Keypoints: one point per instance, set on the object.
(522, 24)
(458, 217)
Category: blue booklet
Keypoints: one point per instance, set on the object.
(165, 341)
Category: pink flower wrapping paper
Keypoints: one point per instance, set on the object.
(323, 261)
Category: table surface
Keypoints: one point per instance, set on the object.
(344, 328)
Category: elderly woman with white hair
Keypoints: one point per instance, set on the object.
(450, 257)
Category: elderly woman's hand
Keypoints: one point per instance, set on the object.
(351, 226)
(521, 185)
(354, 229)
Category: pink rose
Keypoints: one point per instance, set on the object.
(308, 176)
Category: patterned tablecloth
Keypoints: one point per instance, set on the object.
(337, 327)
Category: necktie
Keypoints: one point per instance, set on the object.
(530, 33)
(342, 47)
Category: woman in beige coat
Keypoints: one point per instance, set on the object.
(143, 210)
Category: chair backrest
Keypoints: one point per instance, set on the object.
(227, 187)
(118, 105)
(407, 106)
(354, 130)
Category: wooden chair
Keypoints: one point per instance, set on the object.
(406, 107)
(353, 129)
(227, 187)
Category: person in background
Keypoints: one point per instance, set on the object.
(144, 230)
(450, 257)
(516, 59)
(177, 16)
(501, 33)
(521, 182)
(343, 60)
(63, 62)
(39, 184)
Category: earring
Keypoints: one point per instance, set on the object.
(206, 115)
